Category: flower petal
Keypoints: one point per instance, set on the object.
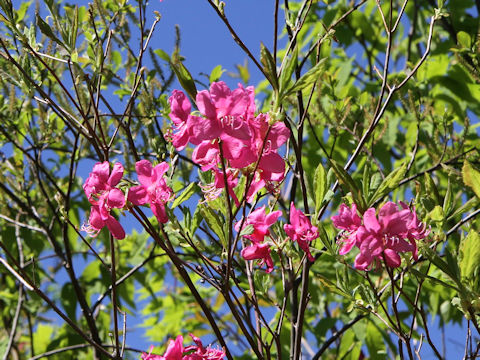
(116, 199)
(138, 195)
(144, 171)
(115, 228)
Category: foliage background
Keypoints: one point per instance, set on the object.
(428, 133)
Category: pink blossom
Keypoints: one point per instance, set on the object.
(349, 221)
(176, 351)
(153, 189)
(261, 223)
(394, 231)
(301, 230)
(103, 195)
(203, 353)
(259, 251)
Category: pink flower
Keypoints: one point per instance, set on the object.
(349, 221)
(153, 188)
(261, 223)
(202, 353)
(176, 351)
(103, 195)
(301, 230)
(394, 231)
(259, 251)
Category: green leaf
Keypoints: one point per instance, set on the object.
(374, 341)
(243, 72)
(308, 78)
(185, 195)
(320, 186)
(448, 201)
(389, 183)
(69, 300)
(471, 177)
(216, 73)
(162, 54)
(47, 30)
(287, 70)
(470, 249)
(464, 39)
(431, 188)
(183, 76)
(214, 223)
(349, 185)
(269, 66)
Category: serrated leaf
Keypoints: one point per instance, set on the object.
(308, 78)
(269, 66)
(320, 186)
(389, 183)
(471, 177)
(185, 195)
(470, 248)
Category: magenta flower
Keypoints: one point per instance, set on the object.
(261, 222)
(201, 352)
(394, 231)
(259, 251)
(228, 127)
(301, 230)
(349, 221)
(153, 189)
(103, 195)
(176, 351)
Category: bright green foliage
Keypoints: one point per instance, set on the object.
(81, 84)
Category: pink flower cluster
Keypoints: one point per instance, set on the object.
(394, 231)
(228, 128)
(176, 351)
(102, 193)
(259, 250)
(300, 230)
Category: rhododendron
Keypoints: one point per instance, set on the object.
(380, 238)
(203, 353)
(301, 230)
(176, 351)
(261, 222)
(349, 221)
(103, 195)
(153, 189)
(228, 127)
